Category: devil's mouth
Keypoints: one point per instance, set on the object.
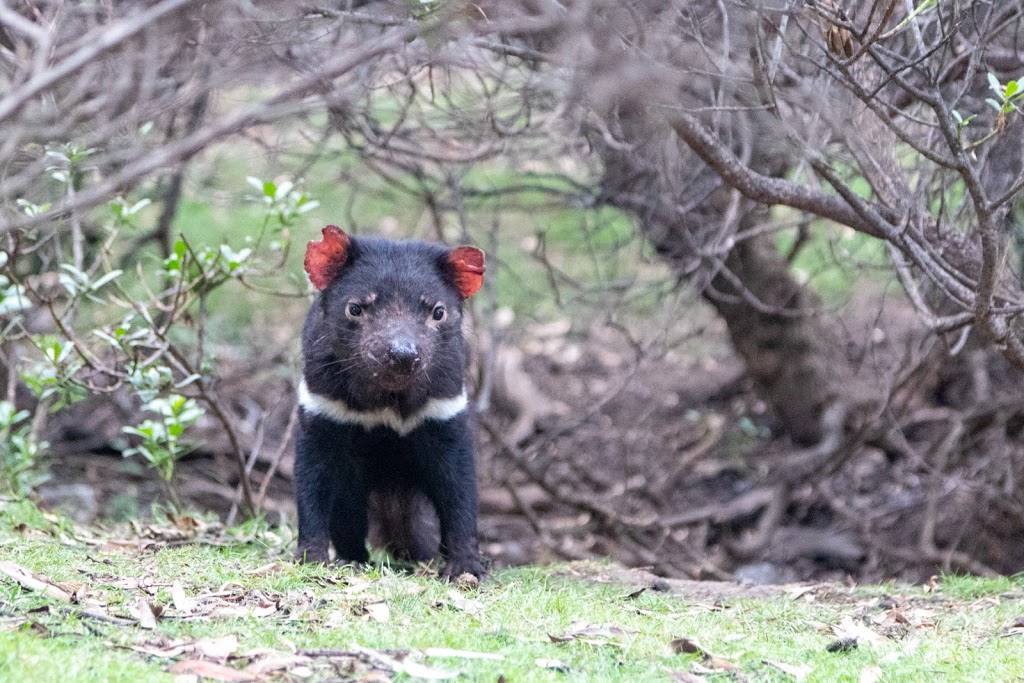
(393, 381)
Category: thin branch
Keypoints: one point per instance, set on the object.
(768, 190)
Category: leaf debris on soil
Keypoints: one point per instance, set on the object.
(222, 604)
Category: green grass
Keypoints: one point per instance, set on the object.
(276, 608)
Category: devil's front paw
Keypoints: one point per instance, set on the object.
(312, 555)
(356, 564)
(468, 570)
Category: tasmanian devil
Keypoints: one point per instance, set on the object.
(385, 442)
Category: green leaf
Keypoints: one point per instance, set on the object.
(13, 299)
(31, 209)
(234, 258)
(112, 275)
(76, 273)
(139, 206)
(188, 380)
(283, 189)
(107, 338)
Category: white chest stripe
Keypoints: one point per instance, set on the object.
(338, 411)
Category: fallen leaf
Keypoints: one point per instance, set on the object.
(148, 584)
(405, 667)
(709, 662)
(685, 677)
(145, 613)
(464, 604)
(115, 545)
(205, 669)
(243, 611)
(799, 591)
(357, 585)
(184, 522)
(848, 629)
(717, 664)
(182, 602)
(409, 587)
(34, 582)
(275, 567)
(590, 634)
(11, 623)
(687, 646)
(217, 648)
(377, 611)
(872, 673)
(286, 663)
(985, 603)
(921, 618)
(337, 618)
(167, 651)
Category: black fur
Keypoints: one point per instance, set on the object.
(349, 478)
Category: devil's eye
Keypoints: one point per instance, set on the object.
(439, 313)
(354, 310)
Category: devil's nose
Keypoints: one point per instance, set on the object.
(403, 354)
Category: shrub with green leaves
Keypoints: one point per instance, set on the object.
(20, 453)
(161, 438)
(116, 328)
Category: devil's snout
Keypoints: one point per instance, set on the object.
(402, 354)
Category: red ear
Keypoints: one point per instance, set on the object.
(325, 258)
(468, 265)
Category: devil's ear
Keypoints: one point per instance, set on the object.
(324, 258)
(467, 267)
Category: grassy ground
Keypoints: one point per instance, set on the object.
(189, 599)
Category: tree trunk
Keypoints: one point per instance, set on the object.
(771, 318)
(773, 328)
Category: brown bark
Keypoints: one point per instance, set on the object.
(785, 350)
